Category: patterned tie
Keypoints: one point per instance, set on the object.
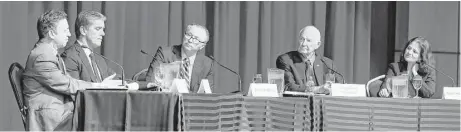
(309, 72)
(61, 65)
(95, 68)
(185, 71)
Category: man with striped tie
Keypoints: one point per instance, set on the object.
(195, 66)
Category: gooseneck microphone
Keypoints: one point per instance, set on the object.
(344, 80)
(238, 75)
(452, 80)
(123, 71)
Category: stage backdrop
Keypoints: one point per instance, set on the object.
(245, 36)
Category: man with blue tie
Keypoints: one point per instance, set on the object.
(195, 66)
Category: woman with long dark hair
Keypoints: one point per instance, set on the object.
(414, 61)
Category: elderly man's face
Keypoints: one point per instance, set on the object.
(309, 41)
(194, 39)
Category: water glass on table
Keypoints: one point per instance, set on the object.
(329, 79)
(417, 83)
(159, 77)
(276, 76)
(400, 86)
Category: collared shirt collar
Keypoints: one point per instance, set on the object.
(191, 58)
(310, 58)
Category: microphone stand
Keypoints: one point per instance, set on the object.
(452, 80)
(344, 80)
(123, 71)
(240, 79)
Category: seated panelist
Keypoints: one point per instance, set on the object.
(80, 60)
(305, 71)
(414, 61)
(194, 65)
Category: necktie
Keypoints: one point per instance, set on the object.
(61, 65)
(95, 68)
(185, 71)
(309, 73)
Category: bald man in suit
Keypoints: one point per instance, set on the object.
(305, 71)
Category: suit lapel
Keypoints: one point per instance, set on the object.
(318, 70)
(196, 69)
(176, 53)
(298, 63)
(86, 62)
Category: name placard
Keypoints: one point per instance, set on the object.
(452, 93)
(179, 86)
(263, 90)
(354, 90)
(204, 87)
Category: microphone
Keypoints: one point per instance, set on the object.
(144, 52)
(238, 75)
(123, 71)
(452, 80)
(344, 80)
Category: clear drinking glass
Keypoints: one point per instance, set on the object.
(257, 78)
(276, 76)
(417, 83)
(159, 78)
(400, 86)
(170, 72)
(329, 79)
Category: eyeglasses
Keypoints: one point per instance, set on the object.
(192, 38)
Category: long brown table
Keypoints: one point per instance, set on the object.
(144, 110)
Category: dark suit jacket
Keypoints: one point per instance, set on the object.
(79, 67)
(202, 68)
(428, 88)
(294, 67)
(47, 88)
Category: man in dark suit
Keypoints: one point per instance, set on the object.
(81, 62)
(195, 66)
(305, 71)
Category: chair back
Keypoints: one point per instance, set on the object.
(374, 85)
(140, 76)
(15, 75)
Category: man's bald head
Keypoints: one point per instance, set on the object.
(310, 31)
(309, 40)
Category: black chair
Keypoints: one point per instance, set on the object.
(15, 75)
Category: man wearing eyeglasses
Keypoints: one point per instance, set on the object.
(305, 71)
(195, 66)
